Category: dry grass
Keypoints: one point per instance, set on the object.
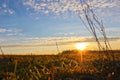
(57, 67)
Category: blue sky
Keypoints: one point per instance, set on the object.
(25, 21)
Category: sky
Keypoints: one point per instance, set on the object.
(35, 26)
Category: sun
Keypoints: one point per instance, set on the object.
(81, 46)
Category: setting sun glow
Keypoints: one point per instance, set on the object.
(81, 46)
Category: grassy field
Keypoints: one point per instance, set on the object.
(59, 67)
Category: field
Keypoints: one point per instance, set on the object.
(59, 67)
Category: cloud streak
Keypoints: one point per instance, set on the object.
(49, 41)
(11, 32)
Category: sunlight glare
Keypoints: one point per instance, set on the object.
(81, 46)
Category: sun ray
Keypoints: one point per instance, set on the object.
(81, 46)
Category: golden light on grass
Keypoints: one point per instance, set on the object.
(81, 46)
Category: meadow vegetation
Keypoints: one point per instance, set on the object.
(64, 66)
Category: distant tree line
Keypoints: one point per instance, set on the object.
(87, 51)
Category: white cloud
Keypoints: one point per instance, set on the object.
(11, 32)
(103, 8)
(70, 5)
(2, 30)
(4, 5)
(5, 9)
(14, 34)
(115, 31)
(64, 34)
(10, 11)
(1, 40)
